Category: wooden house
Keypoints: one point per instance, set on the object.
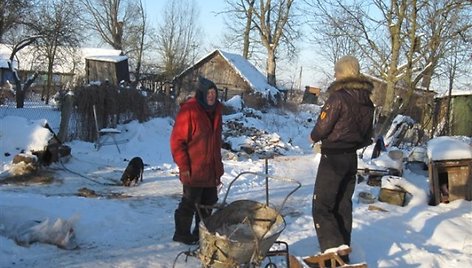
(232, 74)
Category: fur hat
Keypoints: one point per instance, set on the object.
(347, 66)
(202, 91)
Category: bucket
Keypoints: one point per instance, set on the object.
(366, 198)
(240, 234)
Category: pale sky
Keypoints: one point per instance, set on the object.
(213, 26)
(211, 23)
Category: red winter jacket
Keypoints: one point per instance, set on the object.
(195, 144)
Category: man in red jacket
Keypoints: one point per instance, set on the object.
(196, 149)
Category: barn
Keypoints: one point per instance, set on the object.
(232, 74)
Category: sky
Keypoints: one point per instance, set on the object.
(209, 19)
(132, 226)
(212, 22)
(309, 69)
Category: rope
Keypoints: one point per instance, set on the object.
(86, 177)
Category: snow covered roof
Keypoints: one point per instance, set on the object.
(69, 60)
(448, 148)
(454, 93)
(103, 54)
(249, 73)
(107, 58)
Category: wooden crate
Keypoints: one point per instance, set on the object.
(458, 176)
(397, 197)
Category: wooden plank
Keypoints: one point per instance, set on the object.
(434, 183)
(333, 258)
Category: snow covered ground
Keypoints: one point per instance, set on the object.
(133, 227)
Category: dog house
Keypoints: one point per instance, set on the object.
(449, 179)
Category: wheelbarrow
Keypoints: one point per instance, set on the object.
(241, 233)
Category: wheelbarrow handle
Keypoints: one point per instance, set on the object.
(267, 176)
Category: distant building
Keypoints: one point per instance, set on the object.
(232, 74)
(113, 69)
(82, 64)
(311, 95)
(5, 73)
(460, 119)
(421, 104)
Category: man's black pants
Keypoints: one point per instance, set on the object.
(332, 199)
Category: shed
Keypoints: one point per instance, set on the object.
(460, 119)
(232, 74)
(450, 169)
(107, 68)
(311, 94)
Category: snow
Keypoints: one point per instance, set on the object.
(235, 102)
(455, 92)
(448, 148)
(113, 59)
(30, 134)
(137, 231)
(250, 73)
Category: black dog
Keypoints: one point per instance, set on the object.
(133, 172)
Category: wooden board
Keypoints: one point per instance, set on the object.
(333, 258)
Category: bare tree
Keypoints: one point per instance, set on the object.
(59, 26)
(390, 40)
(330, 40)
(12, 14)
(113, 20)
(446, 26)
(20, 89)
(239, 23)
(275, 23)
(456, 65)
(138, 42)
(177, 37)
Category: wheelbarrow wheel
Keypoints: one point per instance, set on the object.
(271, 265)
